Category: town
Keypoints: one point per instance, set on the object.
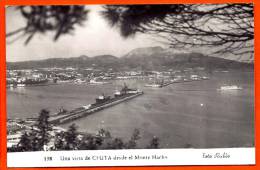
(55, 76)
(49, 76)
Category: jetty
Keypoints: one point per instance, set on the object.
(102, 102)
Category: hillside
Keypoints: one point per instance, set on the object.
(151, 58)
(79, 62)
(158, 58)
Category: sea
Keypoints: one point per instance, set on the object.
(182, 115)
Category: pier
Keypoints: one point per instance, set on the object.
(82, 111)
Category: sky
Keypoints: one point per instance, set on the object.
(96, 37)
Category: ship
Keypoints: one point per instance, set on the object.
(155, 84)
(79, 81)
(101, 103)
(20, 85)
(35, 81)
(232, 87)
(31, 82)
(159, 84)
(94, 82)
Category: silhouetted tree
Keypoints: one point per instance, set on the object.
(116, 143)
(154, 143)
(224, 27)
(43, 129)
(25, 143)
(71, 138)
(34, 140)
(59, 141)
(58, 19)
(131, 144)
(90, 142)
(29, 141)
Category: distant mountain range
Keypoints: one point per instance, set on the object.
(150, 58)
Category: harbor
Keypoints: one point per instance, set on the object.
(175, 113)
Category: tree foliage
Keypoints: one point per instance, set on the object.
(38, 138)
(59, 142)
(71, 139)
(42, 19)
(225, 28)
(229, 28)
(42, 136)
(131, 144)
(43, 129)
(154, 143)
(25, 142)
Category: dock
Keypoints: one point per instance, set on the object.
(83, 112)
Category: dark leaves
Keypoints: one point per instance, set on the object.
(229, 28)
(58, 19)
(130, 18)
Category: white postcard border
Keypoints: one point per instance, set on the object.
(132, 157)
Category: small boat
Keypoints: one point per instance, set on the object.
(20, 85)
(153, 85)
(205, 78)
(94, 82)
(79, 81)
(195, 77)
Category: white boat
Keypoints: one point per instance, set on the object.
(64, 81)
(79, 81)
(20, 85)
(94, 82)
(153, 85)
(232, 87)
(205, 78)
(195, 77)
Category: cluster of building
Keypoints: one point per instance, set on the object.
(23, 77)
(90, 75)
(17, 127)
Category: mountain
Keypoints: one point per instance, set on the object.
(144, 52)
(150, 58)
(158, 58)
(80, 62)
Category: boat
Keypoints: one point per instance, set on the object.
(159, 84)
(79, 81)
(205, 78)
(20, 85)
(231, 87)
(30, 82)
(195, 77)
(63, 81)
(153, 85)
(94, 82)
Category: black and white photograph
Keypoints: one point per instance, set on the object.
(138, 78)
